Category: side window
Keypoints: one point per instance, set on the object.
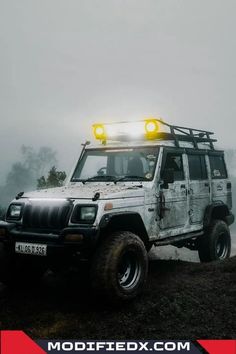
(174, 161)
(197, 167)
(217, 164)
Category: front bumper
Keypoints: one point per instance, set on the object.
(55, 240)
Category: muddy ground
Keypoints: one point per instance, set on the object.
(182, 300)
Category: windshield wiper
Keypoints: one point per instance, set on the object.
(132, 177)
(102, 177)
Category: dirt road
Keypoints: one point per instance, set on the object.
(181, 300)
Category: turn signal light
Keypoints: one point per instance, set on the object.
(108, 206)
(74, 238)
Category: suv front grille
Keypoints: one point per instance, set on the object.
(46, 215)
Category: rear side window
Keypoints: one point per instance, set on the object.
(197, 167)
(218, 169)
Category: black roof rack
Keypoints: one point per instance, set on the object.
(178, 133)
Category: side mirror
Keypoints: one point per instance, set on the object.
(167, 177)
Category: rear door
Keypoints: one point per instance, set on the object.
(199, 187)
(221, 186)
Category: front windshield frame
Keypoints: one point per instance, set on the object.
(154, 150)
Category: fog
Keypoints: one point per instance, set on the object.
(67, 64)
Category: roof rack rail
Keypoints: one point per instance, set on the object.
(178, 133)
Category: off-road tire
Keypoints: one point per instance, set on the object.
(119, 267)
(215, 244)
(19, 270)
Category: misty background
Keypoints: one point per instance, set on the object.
(67, 64)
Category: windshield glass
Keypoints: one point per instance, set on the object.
(117, 164)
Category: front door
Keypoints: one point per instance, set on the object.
(173, 196)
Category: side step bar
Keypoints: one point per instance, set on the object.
(173, 239)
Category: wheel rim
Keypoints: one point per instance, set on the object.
(222, 246)
(129, 270)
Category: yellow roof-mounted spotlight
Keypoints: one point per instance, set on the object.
(99, 132)
(152, 128)
(146, 129)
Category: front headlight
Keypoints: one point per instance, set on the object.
(14, 211)
(87, 213)
(84, 214)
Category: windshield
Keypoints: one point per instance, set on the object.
(117, 164)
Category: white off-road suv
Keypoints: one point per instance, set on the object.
(146, 183)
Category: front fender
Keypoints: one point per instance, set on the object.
(124, 221)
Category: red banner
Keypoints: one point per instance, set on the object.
(17, 342)
(218, 346)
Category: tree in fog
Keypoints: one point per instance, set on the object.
(38, 162)
(54, 179)
(24, 174)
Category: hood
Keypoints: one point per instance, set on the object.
(87, 191)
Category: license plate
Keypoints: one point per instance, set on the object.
(34, 249)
